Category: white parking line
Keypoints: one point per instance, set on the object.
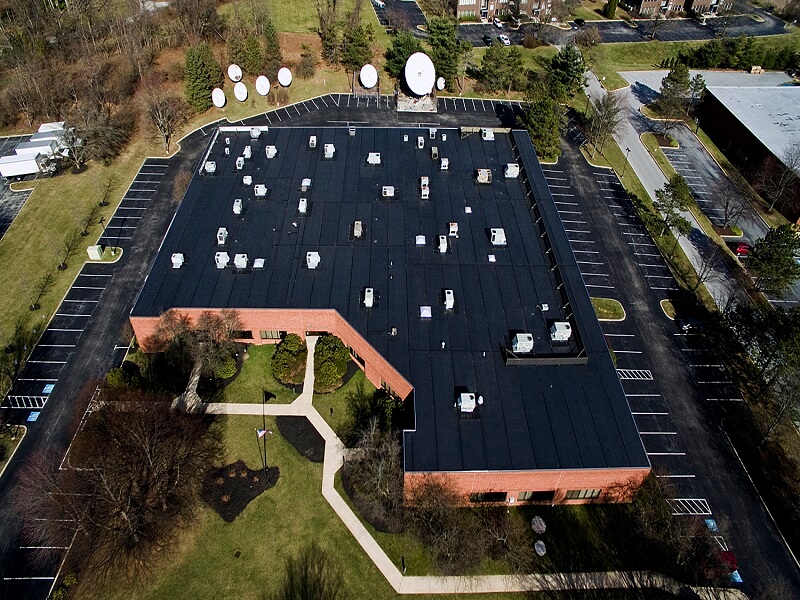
(715, 381)
(55, 345)
(548, 177)
(95, 301)
(725, 399)
(568, 221)
(658, 433)
(676, 476)
(588, 262)
(69, 315)
(564, 202)
(666, 454)
(558, 186)
(596, 274)
(651, 413)
(643, 395)
(49, 362)
(583, 241)
(57, 329)
(627, 352)
(605, 287)
(86, 287)
(577, 231)
(565, 195)
(585, 251)
(620, 335)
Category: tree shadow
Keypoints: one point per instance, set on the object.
(644, 93)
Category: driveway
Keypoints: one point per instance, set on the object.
(11, 202)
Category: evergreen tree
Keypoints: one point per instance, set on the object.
(273, 56)
(202, 74)
(502, 68)
(773, 259)
(542, 118)
(234, 46)
(252, 59)
(567, 67)
(403, 45)
(308, 63)
(610, 9)
(356, 47)
(445, 48)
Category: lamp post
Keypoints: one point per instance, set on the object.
(105, 233)
(625, 166)
(696, 125)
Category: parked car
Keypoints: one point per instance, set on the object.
(504, 40)
(742, 249)
(689, 325)
(497, 22)
(487, 39)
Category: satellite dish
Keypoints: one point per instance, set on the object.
(262, 85)
(218, 98)
(540, 548)
(368, 76)
(538, 525)
(440, 83)
(285, 77)
(235, 72)
(240, 91)
(420, 73)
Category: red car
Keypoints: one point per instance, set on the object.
(742, 249)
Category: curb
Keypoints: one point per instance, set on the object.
(8, 461)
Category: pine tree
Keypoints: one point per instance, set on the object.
(308, 63)
(403, 45)
(443, 39)
(252, 59)
(211, 66)
(235, 48)
(610, 9)
(273, 56)
(198, 85)
(356, 49)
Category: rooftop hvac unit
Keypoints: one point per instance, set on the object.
(434, 152)
(444, 165)
(260, 190)
(369, 297)
(328, 150)
(487, 134)
(387, 191)
(305, 184)
(425, 312)
(419, 240)
(240, 261)
(522, 343)
(227, 151)
(351, 131)
(248, 152)
(444, 137)
(247, 180)
(227, 141)
(512, 171)
(255, 133)
(222, 236)
(302, 206)
(222, 259)
(442, 244)
(453, 230)
(312, 141)
(405, 137)
(358, 229)
(468, 402)
(312, 260)
(177, 260)
(498, 237)
(449, 299)
(432, 133)
(484, 176)
(374, 158)
(237, 206)
(425, 193)
(561, 331)
(258, 263)
(424, 181)
(271, 151)
(210, 167)
(420, 142)
(239, 163)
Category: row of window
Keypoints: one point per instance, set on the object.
(539, 496)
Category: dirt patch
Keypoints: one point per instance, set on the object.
(664, 141)
(300, 433)
(229, 489)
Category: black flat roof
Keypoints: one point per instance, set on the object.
(533, 417)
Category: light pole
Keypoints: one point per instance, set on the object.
(625, 166)
(696, 125)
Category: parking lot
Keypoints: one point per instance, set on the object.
(11, 202)
(404, 14)
(119, 229)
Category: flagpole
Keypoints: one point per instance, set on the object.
(264, 425)
(263, 461)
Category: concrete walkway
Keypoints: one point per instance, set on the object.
(334, 456)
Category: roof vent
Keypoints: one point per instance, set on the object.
(302, 206)
(255, 133)
(239, 163)
(420, 240)
(432, 133)
(444, 165)
(442, 244)
(258, 263)
(512, 171)
(222, 236)
(522, 343)
(351, 131)
(248, 152)
(468, 402)
(374, 158)
(312, 260)
(425, 312)
(498, 237)
(237, 206)
(222, 259)
(210, 167)
(358, 230)
(328, 150)
(449, 299)
(271, 151)
(247, 180)
(387, 191)
(312, 141)
(369, 297)
(260, 190)
(453, 230)
(487, 134)
(420, 142)
(227, 141)
(305, 184)
(240, 261)
(484, 176)
(435, 152)
(561, 331)
(177, 260)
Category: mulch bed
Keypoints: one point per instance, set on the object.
(663, 141)
(229, 489)
(300, 433)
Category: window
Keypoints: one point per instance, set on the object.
(582, 494)
(272, 334)
(356, 356)
(389, 389)
(542, 496)
(466, 2)
(488, 497)
(243, 334)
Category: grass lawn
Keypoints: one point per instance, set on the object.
(650, 142)
(608, 309)
(9, 440)
(587, 13)
(337, 400)
(255, 377)
(637, 56)
(299, 16)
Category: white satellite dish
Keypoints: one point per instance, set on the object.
(285, 77)
(235, 72)
(240, 91)
(262, 85)
(440, 83)
(368, 76)
(218, 98)
(420, 73)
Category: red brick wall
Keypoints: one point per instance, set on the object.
(617, 485)
(298, 321)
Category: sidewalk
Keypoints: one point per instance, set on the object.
(334, 455)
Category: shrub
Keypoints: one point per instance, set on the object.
(530, 41)
(126, 375)
(326, 377)
(227, 368)
(289, 359)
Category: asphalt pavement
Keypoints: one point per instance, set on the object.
(11, 202)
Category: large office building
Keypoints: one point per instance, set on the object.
(439, 258)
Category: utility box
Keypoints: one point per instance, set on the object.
(484, 176)
(449, 299)
(271, 151)
(248, 152)
(467, 403)
(374, 158)
(420, 143)
(255, 133)
(95, 252)
(302, 206)
(237, 206)
(512, 171)
(239, 163)
(358, 230)
(387, 191)
(260, 190)
(498, 237)
(442, 244)
(240, 261)
(561, 331)
(425, 193)
(222, 236)
(312, 141)
(522, 343)
(328, 150)
(222, 259)
(312, 260)
(444, 165)
(369, 297)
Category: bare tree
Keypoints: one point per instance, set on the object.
(41, 288)
(730, 198)
(197, 18)
(605, 120)
(167, 113)
(106, 189)
(141, 468)
(74, 142)
(89, 218)
(783, 406)
(777, 179)
(706, 270)
(69, 247)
